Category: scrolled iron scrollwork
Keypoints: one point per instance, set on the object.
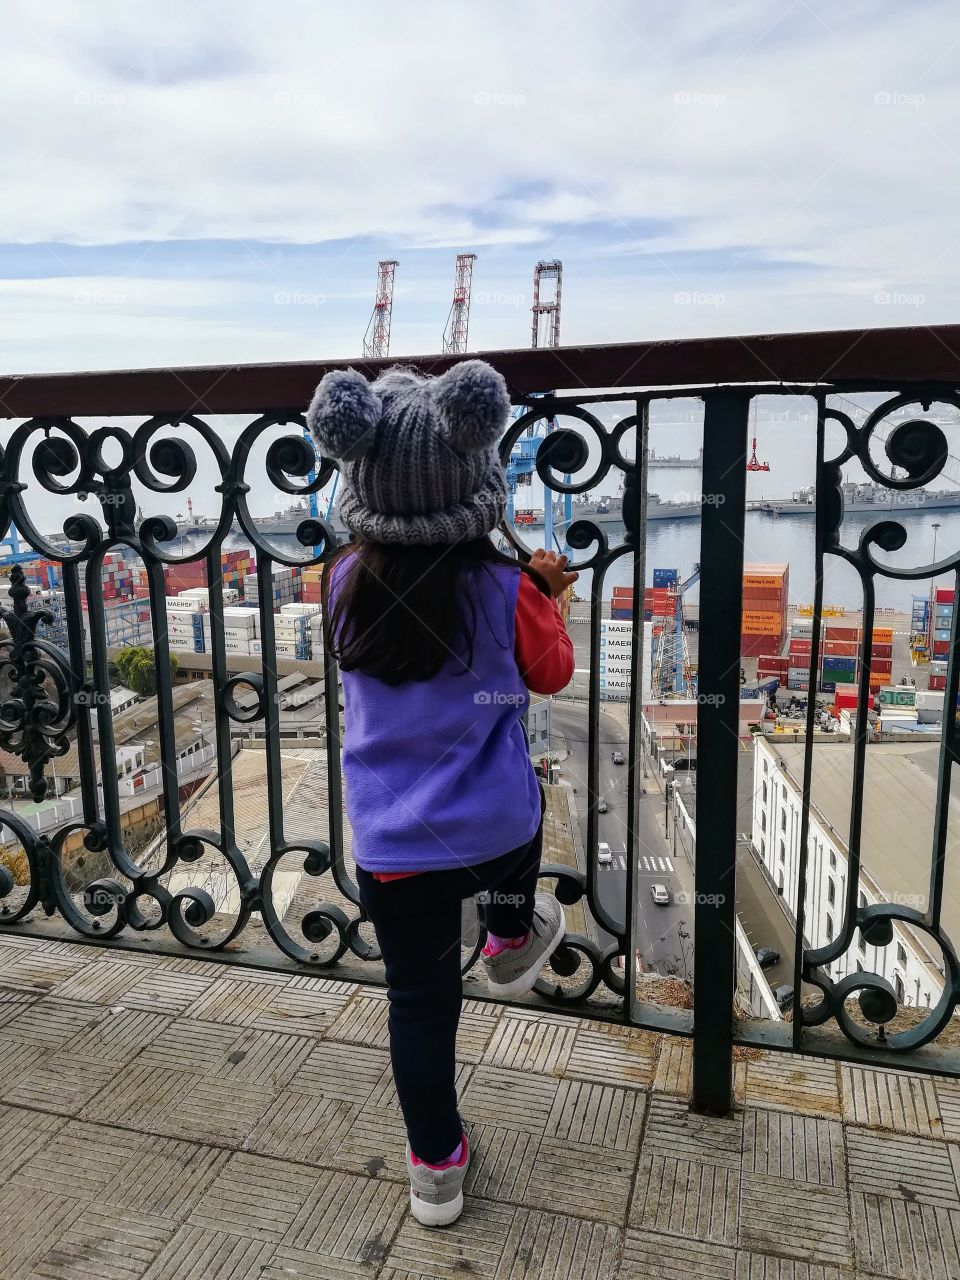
(197, 886)
(919, 447)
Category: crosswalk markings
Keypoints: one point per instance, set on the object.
(645, 862)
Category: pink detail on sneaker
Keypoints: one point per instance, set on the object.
(458, 1157)
(495, 945)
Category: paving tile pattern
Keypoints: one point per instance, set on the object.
(161, 1119)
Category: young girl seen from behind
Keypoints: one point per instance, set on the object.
(439, 637)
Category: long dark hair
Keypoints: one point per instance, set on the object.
(400, 613)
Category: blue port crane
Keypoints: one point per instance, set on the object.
(671, 669)
(520, 470)
(15, 555)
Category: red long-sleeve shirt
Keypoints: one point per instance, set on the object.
(543, 650)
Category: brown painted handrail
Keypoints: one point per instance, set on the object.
(884, 356)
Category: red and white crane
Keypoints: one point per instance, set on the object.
(376, 341)
(458, 321)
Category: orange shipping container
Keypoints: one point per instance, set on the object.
(762, 629)
(883, 635)
(773, 594)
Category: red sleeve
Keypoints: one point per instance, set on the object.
(543, 649)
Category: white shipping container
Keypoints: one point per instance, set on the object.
(255, 646)
(297, 610)
(177, 604)
(613, 644)
(611, 626)
(246, 618)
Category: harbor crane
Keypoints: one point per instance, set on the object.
(672, 671)
(376, 340)
(522, 463)
(458, 321)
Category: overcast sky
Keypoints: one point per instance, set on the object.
(200, 180)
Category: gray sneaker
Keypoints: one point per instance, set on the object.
(436, 1195)
(514, 971)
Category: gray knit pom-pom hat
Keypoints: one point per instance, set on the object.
(418, 456)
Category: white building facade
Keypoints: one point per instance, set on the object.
(912, 970)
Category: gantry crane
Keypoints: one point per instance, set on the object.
(376, 341)
(673, 674)
(521, 466)
(458, 321)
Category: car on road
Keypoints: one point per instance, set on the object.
(658, 892)
(767, 957)
(617, 757)
(783, 995)
(604, 856)
(602, 804)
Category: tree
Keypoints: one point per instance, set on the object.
(136, 667)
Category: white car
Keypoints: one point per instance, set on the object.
(658, 892)
(604, 856)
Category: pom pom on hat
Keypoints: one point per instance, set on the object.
(343, 415)
(473, 403)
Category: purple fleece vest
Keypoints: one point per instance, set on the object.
(438, 772)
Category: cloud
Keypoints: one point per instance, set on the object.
(796, 161)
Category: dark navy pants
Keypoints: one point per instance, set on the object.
(418, 924)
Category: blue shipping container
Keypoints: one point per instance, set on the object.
(839, 664)
(828, 686)
(664, 577)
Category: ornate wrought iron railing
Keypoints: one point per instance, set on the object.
(195, 889)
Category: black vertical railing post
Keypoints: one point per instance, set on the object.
(635, 520)
(718, 746)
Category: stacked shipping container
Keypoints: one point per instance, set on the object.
(235, 567)
(764, 619)
(941, 628)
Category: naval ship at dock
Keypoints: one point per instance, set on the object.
(866, 498)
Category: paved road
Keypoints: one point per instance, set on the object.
(661, 944)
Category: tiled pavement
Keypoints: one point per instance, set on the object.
(170, 1119)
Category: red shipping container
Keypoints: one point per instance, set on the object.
(625, 591)
(941, 647)
(938, 682)
(882, 666)
(882, 651)
(846, 697)
(801, 647)
(841, 648)
(754, 646)
(842, 633)
(944, 596)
